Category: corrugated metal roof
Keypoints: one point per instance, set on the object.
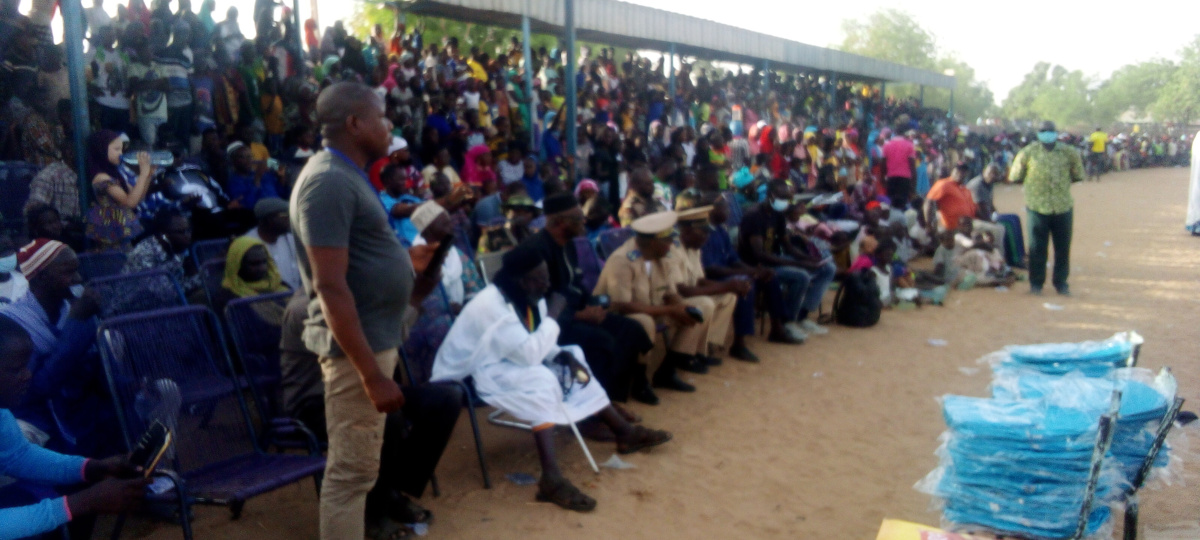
(628, 25)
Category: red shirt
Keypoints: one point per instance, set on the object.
(953, 202)
(897, 152)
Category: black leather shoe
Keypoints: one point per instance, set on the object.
(742, 353)
(673, 382)
(711, 360)
(644, 394)
(694, 364)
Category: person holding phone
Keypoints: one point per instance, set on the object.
(360, 281)
(116, 486)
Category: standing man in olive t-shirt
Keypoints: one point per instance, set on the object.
(359, 280)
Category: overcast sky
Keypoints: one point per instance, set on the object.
(1001, 43)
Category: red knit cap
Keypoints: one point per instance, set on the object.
(37, 255)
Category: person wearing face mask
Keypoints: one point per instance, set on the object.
(167, 249)
(802, 271)
(1047, 169)
(12, 284)
(68, 398)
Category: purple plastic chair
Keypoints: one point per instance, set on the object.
(171, 365)
(589, 262)
(420, 350)
(612, 239)
(256, 353)
(137, 292)
(206, 250)
(103, 264)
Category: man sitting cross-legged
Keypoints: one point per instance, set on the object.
(506, 340)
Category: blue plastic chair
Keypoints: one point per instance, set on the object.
(256, 347)
(613, 239)
(103, 264)
(212, 272)
(420, 350)
(207, 250)
(589, 262)
(140, 291)
(171, 365)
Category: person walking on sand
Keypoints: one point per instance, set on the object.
(1047, 169)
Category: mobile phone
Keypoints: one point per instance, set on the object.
(601, 300)
(695, 313)
(151, 447)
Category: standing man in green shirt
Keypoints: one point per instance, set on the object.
(1048, 169)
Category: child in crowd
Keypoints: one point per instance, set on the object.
(399, 203)
(534, 187)
(983, 263)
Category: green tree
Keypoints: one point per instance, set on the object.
(1051, 92)
(1132, 88)
(895, 36)
(1179, 100)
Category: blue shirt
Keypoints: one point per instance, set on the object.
(404, 228)
(534, 187)
(487, 211)
(242, 186)
(718, 251)
(24, 460)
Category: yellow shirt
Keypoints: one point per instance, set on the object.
(1099, 139)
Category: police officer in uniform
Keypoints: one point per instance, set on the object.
(641, 278)
(716, 297)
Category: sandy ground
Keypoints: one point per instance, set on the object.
(826, 439)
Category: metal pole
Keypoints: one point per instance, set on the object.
(671, 76)
(922, 96)
(951, 104)
(300, 63)
(72, 13)
(569, 121)
(766, 76)
(526, 51)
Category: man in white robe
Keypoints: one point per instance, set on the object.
(506, 339)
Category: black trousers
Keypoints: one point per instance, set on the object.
(413, 437)
(612, 349)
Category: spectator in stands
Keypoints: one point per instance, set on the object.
(721, 262)
(13, 284)
(805, 275)
(43, 221)
(440, 164)
(434, 227)
(506, 340)
(612, 342)
(248, 182)
(722, 296)
(639, 201)
(951, 200)
(24, 514)
(414, 437)
(68, 397)
(899, 166)
(512, 167)
(112, 222)
(519, 213)
(534, 186)
(250, 271)
(167, 249)
(274, 230)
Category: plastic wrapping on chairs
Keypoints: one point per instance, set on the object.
(207, 250)
(140, 291)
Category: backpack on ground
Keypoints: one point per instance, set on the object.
(857, 302)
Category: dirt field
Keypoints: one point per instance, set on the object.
(826, 439)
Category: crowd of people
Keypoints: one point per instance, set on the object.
(677, 223)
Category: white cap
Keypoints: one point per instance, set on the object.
(398, 144)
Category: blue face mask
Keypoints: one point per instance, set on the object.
(8, 264)
(779, 205)
(1048, 137)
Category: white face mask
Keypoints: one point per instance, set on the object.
(8, 264)
(77, 290)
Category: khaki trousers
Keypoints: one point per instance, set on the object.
(685, 340)
(718, 329)
(355, 441)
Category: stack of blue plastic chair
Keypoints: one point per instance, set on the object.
(1142, 408)
(1018, 467)
(1092, 358)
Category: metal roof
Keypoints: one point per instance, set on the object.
(628, 25)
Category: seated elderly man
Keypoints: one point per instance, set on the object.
(506, 339)
(693, 234)
(68, 397)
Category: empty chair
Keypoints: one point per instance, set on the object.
(103, 264)
(612, 239)
(140, 291)
(171, 366)
(254, 325)
(206, 250)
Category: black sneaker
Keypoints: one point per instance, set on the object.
(742, 353)
(644, 394)
(710, 360)
(673, 382)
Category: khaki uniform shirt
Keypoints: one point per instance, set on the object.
(629, 277)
